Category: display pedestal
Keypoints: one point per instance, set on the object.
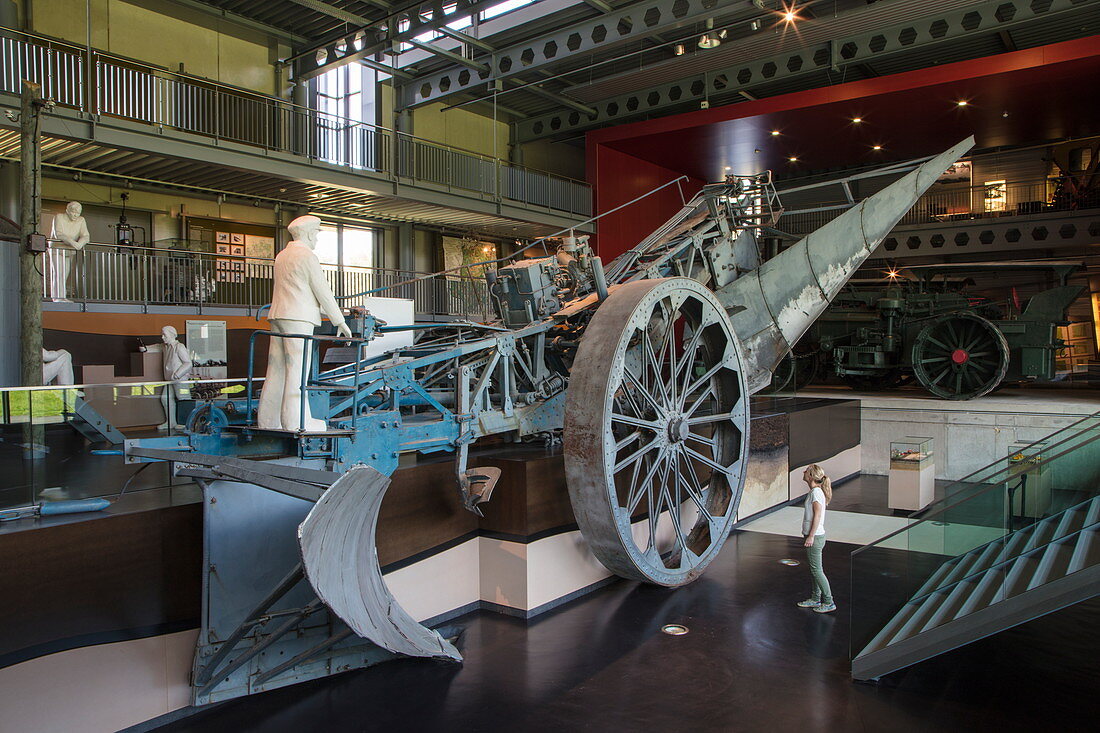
(912, 487)
(912, 478)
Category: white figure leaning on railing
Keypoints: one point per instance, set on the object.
(177, 366)
(70, 234)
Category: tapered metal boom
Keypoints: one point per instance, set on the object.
(772, 306)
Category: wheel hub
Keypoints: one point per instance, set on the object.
(959, 356)
(678, 430)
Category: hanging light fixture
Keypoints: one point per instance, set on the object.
(710, 39)
(679, 50)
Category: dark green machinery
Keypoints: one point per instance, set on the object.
(926, 326)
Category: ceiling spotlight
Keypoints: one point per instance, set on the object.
(757, 151)
(876, 147)
(793, 159)
(1005, 113)
(710, 39)
(775, 133)
(892, 274)
(789, 13)
(728, 168)
(679, 50)
(857, 120)
(962, 103)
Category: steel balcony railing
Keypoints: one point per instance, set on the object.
(105, 85)
(101, 273)
(1011, 198)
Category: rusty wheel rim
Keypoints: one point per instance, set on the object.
(656, 430)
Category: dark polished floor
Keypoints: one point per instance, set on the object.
(751, 662)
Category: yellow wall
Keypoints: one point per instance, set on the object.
(166, 208)
(462, 129)
(161, 33)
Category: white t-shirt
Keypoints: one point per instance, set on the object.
(816, 494)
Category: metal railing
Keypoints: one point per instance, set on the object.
(101, 273)
(1010, 198)
(125, 89)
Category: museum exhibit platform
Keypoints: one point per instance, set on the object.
(119, 591)
(967, 433)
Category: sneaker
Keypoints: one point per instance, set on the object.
(809, 603)
(824, 607)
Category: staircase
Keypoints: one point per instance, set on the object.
(1049, 564)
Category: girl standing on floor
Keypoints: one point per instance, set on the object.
(813, 529)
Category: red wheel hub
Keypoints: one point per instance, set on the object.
(959, 356)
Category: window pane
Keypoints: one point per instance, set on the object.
(327, 245)
(358, 247)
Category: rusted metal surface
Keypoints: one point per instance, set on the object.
(656, 431)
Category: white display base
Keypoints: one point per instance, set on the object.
(912, 488)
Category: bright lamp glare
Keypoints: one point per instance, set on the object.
(962, 103)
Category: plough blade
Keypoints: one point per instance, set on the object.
(337, 540)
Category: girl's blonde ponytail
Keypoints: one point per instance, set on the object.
(817, 475)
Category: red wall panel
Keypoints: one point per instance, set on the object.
(617, 178)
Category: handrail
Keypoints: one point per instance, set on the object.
(170, 251)
(935, 508)
(1009, 560)
(283, 103)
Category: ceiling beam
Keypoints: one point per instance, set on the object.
(449, 55)
(880, 36)
(381, 36)
(243, 21)
(466, 38)
(391, 70)
(569, 102)
(621, 26)
(599, 5)
(334, 12)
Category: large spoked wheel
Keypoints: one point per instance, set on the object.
(960, 356)
(656, 430)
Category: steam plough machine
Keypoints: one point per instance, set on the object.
(643, 368)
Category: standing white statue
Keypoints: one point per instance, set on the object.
(176, 364)
(57, 365)
(301, 295)
(70, 234)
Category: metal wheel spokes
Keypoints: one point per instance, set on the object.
(960, 356)
(656, 430)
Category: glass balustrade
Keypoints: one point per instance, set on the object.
(989, 520)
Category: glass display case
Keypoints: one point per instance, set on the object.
(912, 479)
(911, 453)
(1028, 480)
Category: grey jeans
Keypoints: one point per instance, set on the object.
(821, 589)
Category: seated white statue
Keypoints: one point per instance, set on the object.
(301, 296)
(57, 366)
(70, 234)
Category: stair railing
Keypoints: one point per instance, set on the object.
(979, 514)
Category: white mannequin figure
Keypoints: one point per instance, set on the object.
(57, 365)
(71, 234)
(177, 367)
(301, 295)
